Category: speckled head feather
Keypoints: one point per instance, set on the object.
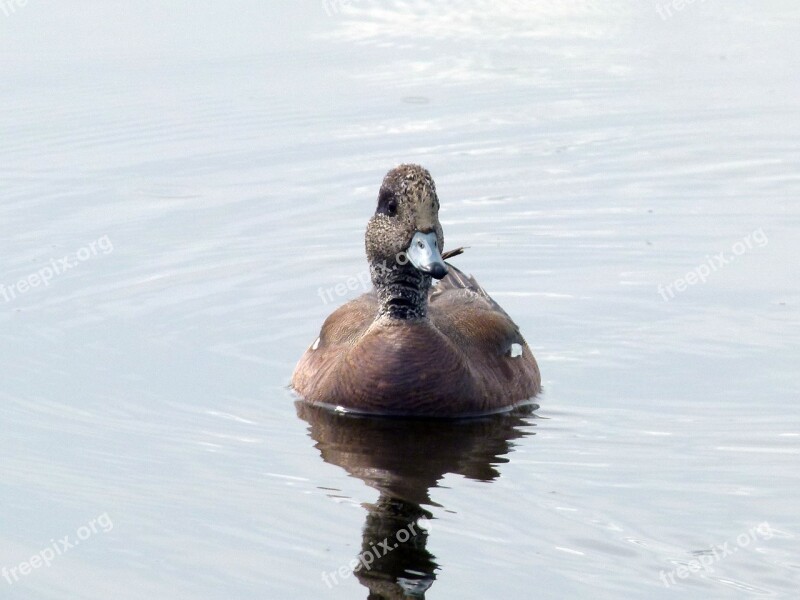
(407, 203)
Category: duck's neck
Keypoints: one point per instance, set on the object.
(402, 291)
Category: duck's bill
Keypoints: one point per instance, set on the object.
(424, 254)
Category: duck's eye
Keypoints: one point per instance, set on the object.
(387, 204)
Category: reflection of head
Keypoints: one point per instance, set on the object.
(396, 544)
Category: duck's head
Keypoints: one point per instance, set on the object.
(405, 228)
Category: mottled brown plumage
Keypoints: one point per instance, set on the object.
(407, 348)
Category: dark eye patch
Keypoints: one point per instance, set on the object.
(387, 203)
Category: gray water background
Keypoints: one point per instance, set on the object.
(209, 167)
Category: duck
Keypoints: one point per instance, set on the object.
(409, 348)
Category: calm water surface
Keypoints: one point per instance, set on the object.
(207, 170)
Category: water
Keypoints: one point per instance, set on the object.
(207, 170)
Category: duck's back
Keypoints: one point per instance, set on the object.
(499, 359)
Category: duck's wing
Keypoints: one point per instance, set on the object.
(349, 322)
(340, 331)
(486, 336)
(457, 286)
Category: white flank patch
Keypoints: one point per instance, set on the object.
(516, 350)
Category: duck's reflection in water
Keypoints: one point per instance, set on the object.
(403, 459)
